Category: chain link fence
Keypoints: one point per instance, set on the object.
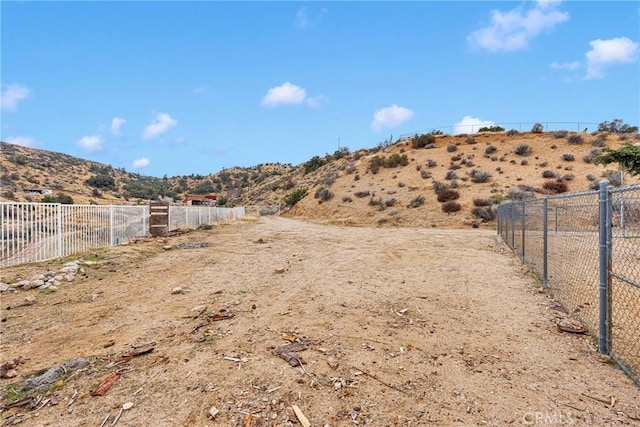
(585, 247)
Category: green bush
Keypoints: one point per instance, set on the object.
(313, 164)
(101, 181)
(422, 141)
(63, 199)
(493, 128)
(537, 128)
(295, 197)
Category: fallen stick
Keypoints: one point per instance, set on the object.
(105, 419)
(601, 400)
(381, 382)
(301, 417)
(115, 420)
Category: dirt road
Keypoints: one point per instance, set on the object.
(396, 326)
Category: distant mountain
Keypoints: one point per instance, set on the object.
(393, 183)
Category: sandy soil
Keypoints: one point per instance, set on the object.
(403, 326)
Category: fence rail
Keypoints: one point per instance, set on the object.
(585, 247)
(33, 232)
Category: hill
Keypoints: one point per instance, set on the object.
(393, 183)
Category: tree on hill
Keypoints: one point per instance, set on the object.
(616, 126)
(627, 156)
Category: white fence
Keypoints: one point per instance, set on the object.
(33, 232)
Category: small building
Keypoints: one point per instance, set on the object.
(199, 200)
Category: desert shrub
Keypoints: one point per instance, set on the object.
(450, 207)
(451, 148)
(522, 150)
(401, 184)
(512, 132)
(560, 134)
(63, 199)
(590, 177)
(537, 128)
(615, 178)
(568, 157)
(494, 158)
(416, 202)
(548, 173)
(356, 177)
(454, 166)
(330, 177)
(396, 160)
(490, 150)
(422, 141)
(519, 194)
(361, 194)
(349, 169)
(448, 194)
(494, 128)
(431, 163)
(376, 202)
(575, 139)
(486, 214)
(425, 174)
(347, 199)
(313, 164)
(616, 126)
(8, 194)
(482, 202)
(288, 185)
(294, 197)
(451, 175)
(375, 163)
(471, 140)
(439, 186)
(323, 193)
(600, 141)
(101, 181)
(390, 202)
(456, 158)
(568, 177)
(555, 186)
(524, 162)
(498, 198)
(341, 152)
(543, 164)
(591, 155)
(479, 176)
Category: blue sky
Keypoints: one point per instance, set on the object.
(193, 87)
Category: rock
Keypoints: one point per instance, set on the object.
(177, 290)
(213, 412)
(21, 283)
(68, 277)
(53, 288)
(4, 287)
(43, 287)
(38, 277)
(53, 375)
(127, 406)
(166, 248)
(32, 285)
(59, 277)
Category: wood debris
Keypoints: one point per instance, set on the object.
(105, 385)
(288, 353)
(301, 417)
(138, 351)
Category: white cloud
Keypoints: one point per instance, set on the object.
(141, 163)
(25, 141)
(305, 21)
(285, 94)
(116, 124)
(90, 143)
(162, 123)
(514, 29)
(316, 101)
(566, 65)
(470, 124)
(12, 94)
(604, 53)
(389, 117)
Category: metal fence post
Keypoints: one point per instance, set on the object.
(524, 228)
(603, 288)
(545, 243)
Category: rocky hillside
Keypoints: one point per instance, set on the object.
(428, 180)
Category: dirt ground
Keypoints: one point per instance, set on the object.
(402, 327)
